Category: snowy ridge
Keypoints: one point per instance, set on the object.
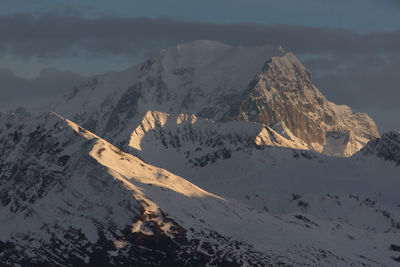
(68, 212)
(276, 179)
(61, 206)
(198, 142)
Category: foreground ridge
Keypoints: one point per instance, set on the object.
(68, 197)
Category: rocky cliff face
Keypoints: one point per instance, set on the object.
(283, 91)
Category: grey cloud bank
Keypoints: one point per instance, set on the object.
(57, 36)
(32, 92)
(349, 68)
(359, 15)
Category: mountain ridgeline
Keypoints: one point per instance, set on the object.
(219, 82)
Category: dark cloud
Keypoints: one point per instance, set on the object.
(350, 68)
(18, 91)
(58, 36)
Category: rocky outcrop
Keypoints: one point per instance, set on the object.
(283, 91)
(386, 147)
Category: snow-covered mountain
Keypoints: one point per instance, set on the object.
(262, 172)
(219, 82)
(202, 77)
(204, 155)
(68, 197)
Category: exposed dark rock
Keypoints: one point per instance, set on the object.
(395, 247)
(387, 147)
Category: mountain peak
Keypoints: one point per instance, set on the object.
(287, 65)
(219, 82)
(283, 92)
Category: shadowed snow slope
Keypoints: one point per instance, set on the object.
(69, 197)
(219, 82)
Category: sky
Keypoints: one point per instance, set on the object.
(352, 47)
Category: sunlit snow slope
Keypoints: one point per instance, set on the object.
(69, 197)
